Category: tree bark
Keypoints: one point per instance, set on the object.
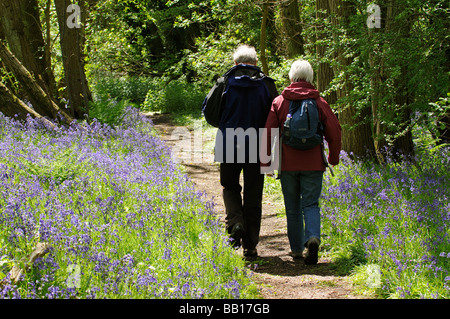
(377, 77)
(78, 92)
(444, 131)
(263, 57)
(357, 132)
(40, 99)
(290, 18)
(12, 106)
(325, 72)
(403, 142)
(21, 24)
(445, 120)
(48, 49)
(387, 101)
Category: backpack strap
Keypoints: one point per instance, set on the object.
(294, 105)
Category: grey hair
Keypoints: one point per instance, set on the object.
(245, 54)
(301, 70)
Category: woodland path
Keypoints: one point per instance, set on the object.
(278, 276)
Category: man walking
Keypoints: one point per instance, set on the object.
(242, 99)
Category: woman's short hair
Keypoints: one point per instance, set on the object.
(301, 70)
(245, 54)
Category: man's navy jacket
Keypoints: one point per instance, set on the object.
(244, 95)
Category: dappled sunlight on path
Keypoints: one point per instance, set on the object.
(277, 274)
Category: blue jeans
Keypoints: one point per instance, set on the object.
(301, 192)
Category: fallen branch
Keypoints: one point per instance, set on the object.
(17, 271)
(41, 99)
(11, 105)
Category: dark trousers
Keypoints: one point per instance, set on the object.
(248, 210)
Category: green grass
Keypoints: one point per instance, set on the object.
(121, 218)
(386, 226)
(394, 216)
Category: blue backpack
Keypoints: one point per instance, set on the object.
(302, 128)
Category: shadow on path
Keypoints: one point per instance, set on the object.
(276, 273)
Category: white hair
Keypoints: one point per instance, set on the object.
(245, 54)
(301, 70)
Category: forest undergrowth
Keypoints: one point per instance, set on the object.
(123, 221)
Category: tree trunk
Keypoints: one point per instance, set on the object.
(14, 29)
(12, 106)
(263, 57)
(444, 131)
(292, 29)
(403, 142)
(444, 121)
(357, 132)
(40, 99)
(391, 105)
(325, 72)
(48, 48)
(21, 24)
(376, 80)
(78, 92)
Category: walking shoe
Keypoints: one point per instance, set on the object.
(296, 255)
(250, 253)
(236, 233)
(312, 257)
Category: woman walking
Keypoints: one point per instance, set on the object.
(302, 170)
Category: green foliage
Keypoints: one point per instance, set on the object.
(211, 59)
(395, 217)
(58, 168)
(346, 260)
(176, 97)
(127, 224)
(433, 120)
(108, 111)
(6, 263)
(130, 88)
(147, 37)
(113, 94)
(400, 67)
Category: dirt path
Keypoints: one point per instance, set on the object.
(277, 275)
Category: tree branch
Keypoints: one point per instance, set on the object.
(37, 94)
